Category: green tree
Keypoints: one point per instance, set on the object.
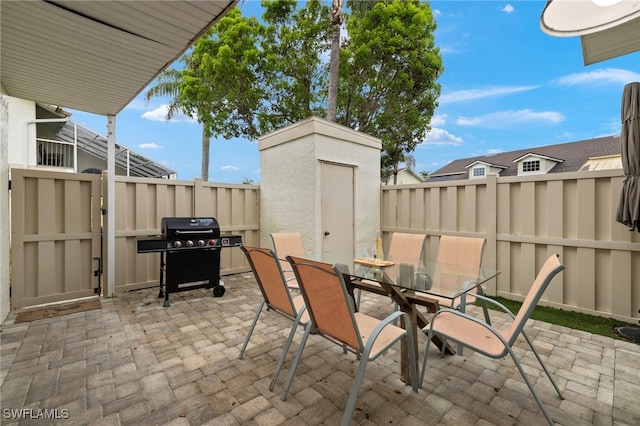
(358, 8)
(245, 78)
(294, 75)
(388, 81)
(222, 79)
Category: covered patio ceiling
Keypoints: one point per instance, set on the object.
(96, 56)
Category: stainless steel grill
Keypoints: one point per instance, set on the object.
(189, 254)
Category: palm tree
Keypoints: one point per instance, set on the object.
(168, 85)
(358, 7)
(337, 18)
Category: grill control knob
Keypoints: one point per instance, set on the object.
(212, 242)
(189, 243)
(201, 243)
(177, 244)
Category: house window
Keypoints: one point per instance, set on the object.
(531, 166)
(478, 172)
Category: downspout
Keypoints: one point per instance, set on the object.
(111, 210)
(75, 148)
(25, 135)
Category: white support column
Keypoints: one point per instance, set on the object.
(5, 211)
(111, 209)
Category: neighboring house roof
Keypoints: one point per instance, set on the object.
(484, 163)
(96, 145)
(570, 157)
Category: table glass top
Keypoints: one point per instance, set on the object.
(445, 280)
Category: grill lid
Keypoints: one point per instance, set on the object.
(176, 227)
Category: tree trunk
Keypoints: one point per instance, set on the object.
(205, 155)
(334, 62)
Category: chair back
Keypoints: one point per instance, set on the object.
(327, 301)
(287, 244)
(458, 260)
(268, 273)
(549, 270)
(406, 248)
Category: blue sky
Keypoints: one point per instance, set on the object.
(506, 86)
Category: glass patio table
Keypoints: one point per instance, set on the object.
(410, 286)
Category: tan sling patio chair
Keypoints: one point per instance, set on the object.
(333, 316)
(458, 262)
(276, 296)
(288, 244)
(489, 341)
(404, 248)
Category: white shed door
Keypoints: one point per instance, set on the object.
(337, 207)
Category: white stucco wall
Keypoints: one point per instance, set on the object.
(290, 179)
(21, 111)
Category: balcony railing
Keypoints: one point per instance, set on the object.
(54, 153)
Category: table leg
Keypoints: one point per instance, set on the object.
(418, 320)
(405, 368)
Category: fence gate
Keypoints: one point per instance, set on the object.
(55, 236)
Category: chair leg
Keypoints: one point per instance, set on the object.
(424, 360)
(285, 350)
(533, 392)
(253, 325)
(544, 367)
(353, 396)
(296, 360)
(485, 310)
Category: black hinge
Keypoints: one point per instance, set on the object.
(9, 185)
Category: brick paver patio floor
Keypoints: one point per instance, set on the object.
(134, 362)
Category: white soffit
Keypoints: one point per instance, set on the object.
(96, 56)
(611, 43)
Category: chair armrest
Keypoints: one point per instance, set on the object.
(381, 325)
(496, 303)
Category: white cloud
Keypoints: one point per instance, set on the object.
(605, 75)
(229, 167)
(473, 94)
(438, 120)
(508, 8)
(438, 136)
(150, 145)
(503, 119)
(160, 114)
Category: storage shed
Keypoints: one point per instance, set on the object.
(320, 179)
